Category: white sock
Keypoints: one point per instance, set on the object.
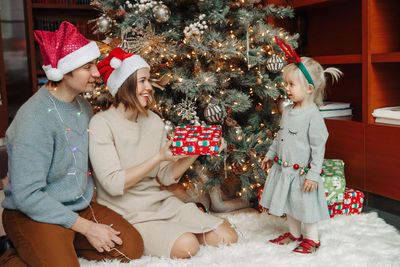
(294, 226)
(311, 231)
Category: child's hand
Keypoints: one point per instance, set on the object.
(309, 185)
(266, 163)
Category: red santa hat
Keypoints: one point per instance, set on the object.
(118, 66)
(64, 50)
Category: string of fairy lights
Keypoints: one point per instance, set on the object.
(74, 149)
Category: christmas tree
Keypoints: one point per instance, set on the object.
(213, 62)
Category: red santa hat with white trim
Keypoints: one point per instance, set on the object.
(64, 50)
(118, 66)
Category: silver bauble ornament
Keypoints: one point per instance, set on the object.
(213, 113)
(283, 103)
(275, 63)
(161, 13)
(103, 24)
(169, 129)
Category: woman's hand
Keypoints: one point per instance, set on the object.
(266, 163)
(309, 185)
(165, 153)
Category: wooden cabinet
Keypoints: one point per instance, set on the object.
(47, 16)
(3, 95)
(360, 37)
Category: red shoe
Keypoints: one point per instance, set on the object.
(285, 239)
(307, 246)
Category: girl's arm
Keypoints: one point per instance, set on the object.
(318, 134)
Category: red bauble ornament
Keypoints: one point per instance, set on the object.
(296, 166)
(276, 159)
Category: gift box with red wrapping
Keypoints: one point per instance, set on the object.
(352, 203)
(196, 140)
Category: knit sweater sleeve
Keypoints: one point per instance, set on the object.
(318, 134)
(104, 157)
(30, 149)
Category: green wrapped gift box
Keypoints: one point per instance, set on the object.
(334, 181)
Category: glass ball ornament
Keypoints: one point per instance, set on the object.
(104, 24)
(275, 63)
(169, 128)
(283, 103)
(213, 113)
(161, 13)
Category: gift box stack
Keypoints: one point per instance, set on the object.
(196, 140)
(334, 181)
(340, 199)
(352, 203)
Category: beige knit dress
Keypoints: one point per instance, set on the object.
(116, 144)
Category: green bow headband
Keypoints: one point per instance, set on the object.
(292, 57)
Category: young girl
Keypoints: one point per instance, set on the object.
(294, 186)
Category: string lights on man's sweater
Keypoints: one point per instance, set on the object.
(74, 149)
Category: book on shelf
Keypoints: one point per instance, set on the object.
(387, 121)
(387, 115)
(329, 105)
(335, 109)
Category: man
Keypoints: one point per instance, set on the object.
(49, 216)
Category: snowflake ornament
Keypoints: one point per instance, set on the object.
(187, 110)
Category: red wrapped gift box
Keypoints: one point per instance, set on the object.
(352, 203)
(196, 140)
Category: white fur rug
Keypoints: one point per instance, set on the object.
(356, 240)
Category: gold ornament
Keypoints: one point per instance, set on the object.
(285, 164)
(197, 66)
(161, 82)
(259, 80)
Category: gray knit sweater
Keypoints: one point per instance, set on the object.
(47, 145)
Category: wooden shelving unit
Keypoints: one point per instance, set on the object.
(3, 95)
(361, 38)
(51, 12)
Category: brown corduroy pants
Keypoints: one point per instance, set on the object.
(43, 244)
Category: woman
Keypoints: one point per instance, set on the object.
(132, 159)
